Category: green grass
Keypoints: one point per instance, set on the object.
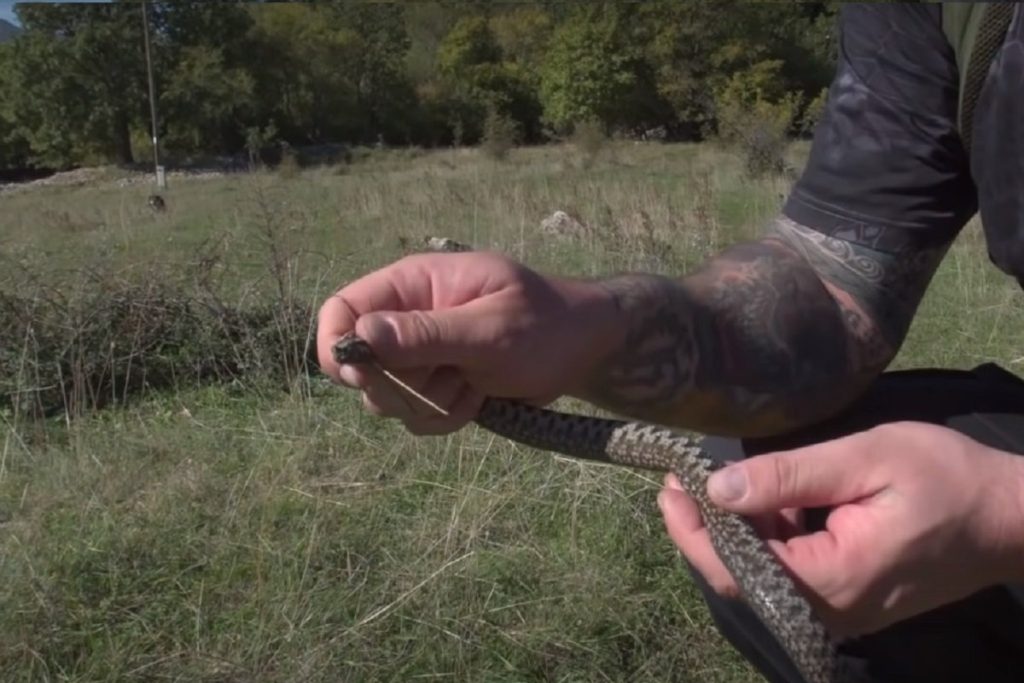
(240, 533)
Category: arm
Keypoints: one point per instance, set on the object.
(789, 329)
(766, 336)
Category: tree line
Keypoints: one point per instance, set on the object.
(237, 76)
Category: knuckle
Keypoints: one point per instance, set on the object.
(423, 327)
(785, 477)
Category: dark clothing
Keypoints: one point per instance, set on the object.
(980, 638)
(887, 168)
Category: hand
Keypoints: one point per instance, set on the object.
(922, 516)
(458, 327)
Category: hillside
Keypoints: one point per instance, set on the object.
(8, 31)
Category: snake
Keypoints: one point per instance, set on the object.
(763, 582)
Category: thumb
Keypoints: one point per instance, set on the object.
(829, 473)
(408, 339)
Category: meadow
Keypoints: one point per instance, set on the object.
(266, 529)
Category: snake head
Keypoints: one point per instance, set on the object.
(350, 349)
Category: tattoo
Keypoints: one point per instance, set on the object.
(767, 336)
(886, 288)
(660, 354)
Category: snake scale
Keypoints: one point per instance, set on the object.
(763, 583)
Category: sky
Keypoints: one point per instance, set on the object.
(7, 9)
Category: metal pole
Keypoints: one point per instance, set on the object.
(157, 169)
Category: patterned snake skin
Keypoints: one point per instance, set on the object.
(762, 581)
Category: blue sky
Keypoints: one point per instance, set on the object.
(7, 9)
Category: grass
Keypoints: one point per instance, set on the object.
(238, 532)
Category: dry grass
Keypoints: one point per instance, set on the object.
(232, 532)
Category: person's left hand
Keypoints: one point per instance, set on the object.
(922, 516)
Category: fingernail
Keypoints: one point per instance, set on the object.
(729, 483)
(377, 329)
(348, 375)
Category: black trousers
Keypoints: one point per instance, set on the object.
(979, 638)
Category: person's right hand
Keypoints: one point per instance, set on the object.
(459, 327)
(920, 516)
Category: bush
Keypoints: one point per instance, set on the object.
(289, 166)
(755, 117)
(116, 337)
(500, 135)
(813, 112)
(589, 139)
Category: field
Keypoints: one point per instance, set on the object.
(259, 530)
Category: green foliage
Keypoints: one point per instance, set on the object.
(332, 75)
(256, 138)
(694, 48)
(478, 83)
(755, 116)
(385, 99)
(589, 72)
(399, 73)
(73, 91)
(288, 168)
(523, 34)
(589, 139)
(204, 99)
(813, 112)
(207, 89)
(500, 135)
(470, 43)
(14, 148)
(305, 79)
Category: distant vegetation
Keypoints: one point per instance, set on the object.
(8, 31)
(251, 79)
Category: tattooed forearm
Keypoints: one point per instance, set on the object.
(767, 336)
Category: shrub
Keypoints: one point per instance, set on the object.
(755, 117)
(117, 337)
(589, 139)
(813, 112)
(289, 166)
(500, 135)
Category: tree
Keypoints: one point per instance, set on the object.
(301, 63)
(694, 49)
(384, 93)
(14, 148)
(77, 85)
(206, 102)
(479, 83)
(523, 34)
(592, 71)
(231, 74)
(328, 72)
(204, 79)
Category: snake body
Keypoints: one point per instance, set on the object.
(762, 581)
